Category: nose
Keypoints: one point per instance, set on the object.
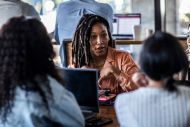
(99, 40)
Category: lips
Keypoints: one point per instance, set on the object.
(100, 49)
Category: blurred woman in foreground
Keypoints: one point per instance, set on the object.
(29, 83)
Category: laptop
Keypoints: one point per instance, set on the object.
(83, 83)
(123, 25)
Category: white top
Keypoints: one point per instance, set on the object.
(154, 107)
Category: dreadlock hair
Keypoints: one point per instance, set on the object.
(81, 41)
(26, 53)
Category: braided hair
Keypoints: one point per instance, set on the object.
(81, 41)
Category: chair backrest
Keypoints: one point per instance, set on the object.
(68, 51)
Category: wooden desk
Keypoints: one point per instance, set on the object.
(109, 112)
(139, 42)
(128, 42)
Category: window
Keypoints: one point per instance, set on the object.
(184, 16)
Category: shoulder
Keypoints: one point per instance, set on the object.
(66, 8)
(125, 103)
(126, 98)
(65, 105)
(106, 8)
(58, 89)
(24, 4)
(61, 95)
(119, 53)
(122, 52)
(28, 10)
(68, 4)
(137, 95)
(121, 57)
(116, 51)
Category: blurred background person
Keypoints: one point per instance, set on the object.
(69, 14)
(30, 84)
(91, 48)
(164, 102)
(11, 8)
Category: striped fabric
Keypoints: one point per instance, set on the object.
(154, 107)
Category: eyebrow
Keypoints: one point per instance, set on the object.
(104, 31)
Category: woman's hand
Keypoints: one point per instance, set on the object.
(108, 72)
(139, 79)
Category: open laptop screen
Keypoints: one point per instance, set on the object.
(123, 24)
(83, 83)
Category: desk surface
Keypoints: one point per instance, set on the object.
(139, 42)
(109, 112)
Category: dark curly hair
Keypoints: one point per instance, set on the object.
(26, 52)
(81, 40)
(161, 57)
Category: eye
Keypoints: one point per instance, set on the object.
(104, 35)
(93, 37)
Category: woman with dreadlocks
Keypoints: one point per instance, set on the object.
(30, 87)
(92, 49)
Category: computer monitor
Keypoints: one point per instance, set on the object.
(83, 83)
(123, 24)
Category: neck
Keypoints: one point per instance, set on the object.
(155, 84)
(98, 59)
(98, 62)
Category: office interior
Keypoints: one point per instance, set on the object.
(168, 15)
(172, 16)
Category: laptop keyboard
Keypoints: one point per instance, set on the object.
(89, 115)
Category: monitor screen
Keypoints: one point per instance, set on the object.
(83, 83)
(123, 23)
